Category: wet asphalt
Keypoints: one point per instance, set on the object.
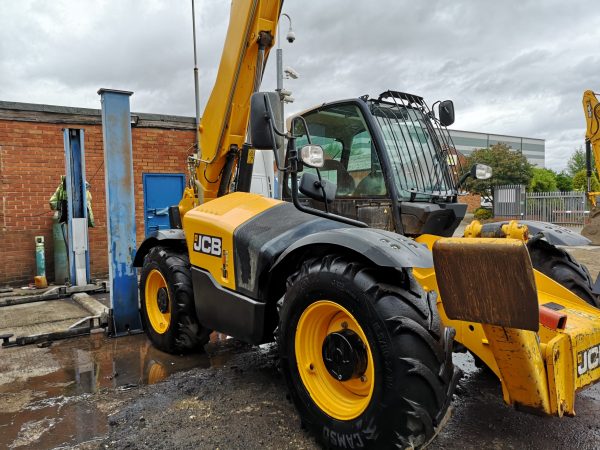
(96, 392)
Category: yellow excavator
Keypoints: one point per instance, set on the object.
(365, 318)
(591, 110)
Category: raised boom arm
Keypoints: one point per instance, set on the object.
(223, 126)
(591, 109)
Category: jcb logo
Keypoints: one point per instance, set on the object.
(588, 360)
(207, 244)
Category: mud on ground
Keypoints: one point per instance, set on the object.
(242, 404)
(94, 392)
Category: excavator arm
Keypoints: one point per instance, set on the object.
(591, 109)
(222, 130)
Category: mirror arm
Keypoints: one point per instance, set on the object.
(322, 189)
(303, 120)
(463, 179)
(269, 117)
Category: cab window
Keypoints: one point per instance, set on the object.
(350, 157)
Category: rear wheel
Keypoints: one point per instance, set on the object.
(167, 302)
(557, 264)
(364, 355)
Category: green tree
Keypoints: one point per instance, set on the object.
(543, 180)
(508, 167)
(564, 182)
(580, 181)
(576, 162)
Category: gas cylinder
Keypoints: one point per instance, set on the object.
(40, 263)
(61, 274)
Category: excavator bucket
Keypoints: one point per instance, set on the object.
(488, 281)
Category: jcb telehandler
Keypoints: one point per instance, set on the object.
(355, 310)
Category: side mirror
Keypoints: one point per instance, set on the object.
(481, 172)
(313, 188)
(264, 107)
(446, 113)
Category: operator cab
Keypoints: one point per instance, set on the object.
(392, 160)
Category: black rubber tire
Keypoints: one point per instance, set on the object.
(557, 264)
(185, 334)
(412, 354)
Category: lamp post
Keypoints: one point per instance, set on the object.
(291, 37)
(284, 96)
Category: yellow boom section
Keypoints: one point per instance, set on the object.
(250, 36)
(591, 109)
(592, 117)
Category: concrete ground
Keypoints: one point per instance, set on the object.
(95, 392)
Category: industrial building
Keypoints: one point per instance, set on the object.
(468, 141)
(32, 160)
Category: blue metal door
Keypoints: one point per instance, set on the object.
(161, 190)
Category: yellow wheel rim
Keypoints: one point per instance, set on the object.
(342, 400)
(159, 314)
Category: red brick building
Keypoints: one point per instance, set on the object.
(32, 158)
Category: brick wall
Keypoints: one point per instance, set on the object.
(31, 162)
(473, 201)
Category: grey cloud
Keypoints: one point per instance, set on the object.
(515, 67)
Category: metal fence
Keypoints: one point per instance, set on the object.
(563, 208)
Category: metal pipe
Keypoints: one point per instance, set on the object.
(281, 150)
(588, 164)
(196, 85)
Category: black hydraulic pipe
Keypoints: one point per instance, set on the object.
(588, 163)
(245, 169)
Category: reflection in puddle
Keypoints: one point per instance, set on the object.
(58, 408)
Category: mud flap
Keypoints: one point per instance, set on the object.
(488, 281)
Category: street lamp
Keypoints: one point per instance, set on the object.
(291, 37)
(284, 95)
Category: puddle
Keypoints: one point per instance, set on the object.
(46, 394)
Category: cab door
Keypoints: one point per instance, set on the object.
(351, 162)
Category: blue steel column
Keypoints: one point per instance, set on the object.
(78, 248)
(120, 211)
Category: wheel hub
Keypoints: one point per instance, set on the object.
(344, 355)
(162, 299)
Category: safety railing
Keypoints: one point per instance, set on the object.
(563, 208)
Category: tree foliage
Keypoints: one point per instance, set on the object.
(576, 162)
(564, 182)
(580, 181)
(508, 167)
(543, 180)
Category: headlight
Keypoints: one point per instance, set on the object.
(312, 155)
(482, 172)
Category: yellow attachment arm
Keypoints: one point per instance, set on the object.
(512, 230)
(250, 36)
(491, 282)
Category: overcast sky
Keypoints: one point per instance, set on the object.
(516, 67)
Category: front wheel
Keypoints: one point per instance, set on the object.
(364, 355)
(167, 302)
